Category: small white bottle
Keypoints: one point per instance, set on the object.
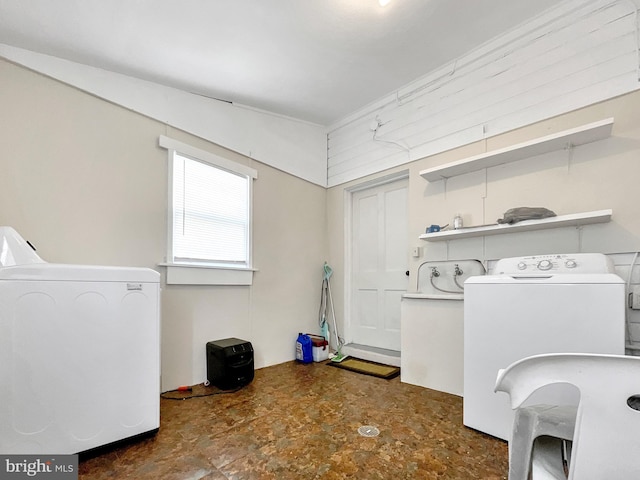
(457, 221)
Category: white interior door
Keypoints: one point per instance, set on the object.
(379, 263)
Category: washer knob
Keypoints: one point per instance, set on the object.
(522, 266)
(545, 265)
(570, 264)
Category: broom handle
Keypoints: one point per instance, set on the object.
(333, 314)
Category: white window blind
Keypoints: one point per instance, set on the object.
(209, 217)
(210, 214)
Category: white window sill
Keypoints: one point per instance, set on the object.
(179, 274)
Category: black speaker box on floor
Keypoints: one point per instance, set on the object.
(229, 363)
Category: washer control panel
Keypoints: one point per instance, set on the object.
(555, 264)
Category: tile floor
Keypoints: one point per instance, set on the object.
(299, 421)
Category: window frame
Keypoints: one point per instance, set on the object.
(205, 273)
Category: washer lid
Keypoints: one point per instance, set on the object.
(79, 273)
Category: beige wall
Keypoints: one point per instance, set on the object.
(85, 182)
(596, 176)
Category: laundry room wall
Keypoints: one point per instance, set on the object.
(575, 54)
(85, 181)
(595, 176)
(590, 177)
(293, 146)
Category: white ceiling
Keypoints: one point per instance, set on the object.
(315, 60)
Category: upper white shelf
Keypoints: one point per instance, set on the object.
(573, 220)
(557, 141)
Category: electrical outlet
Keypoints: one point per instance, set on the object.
(634, 297)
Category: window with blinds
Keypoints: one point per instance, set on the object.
(210, 214)
(209, 217)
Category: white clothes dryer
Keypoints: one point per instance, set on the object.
(79, 352)
(529, 306)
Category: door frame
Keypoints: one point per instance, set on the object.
(348, 244)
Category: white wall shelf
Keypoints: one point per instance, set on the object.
(575, 136)
(572, 220)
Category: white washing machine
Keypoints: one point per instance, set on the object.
(533, 305)
(79, 352)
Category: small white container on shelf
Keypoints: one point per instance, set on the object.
(457, 222)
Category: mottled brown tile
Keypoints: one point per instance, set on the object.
(300, 422)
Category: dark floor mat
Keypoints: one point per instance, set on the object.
(367, 367)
